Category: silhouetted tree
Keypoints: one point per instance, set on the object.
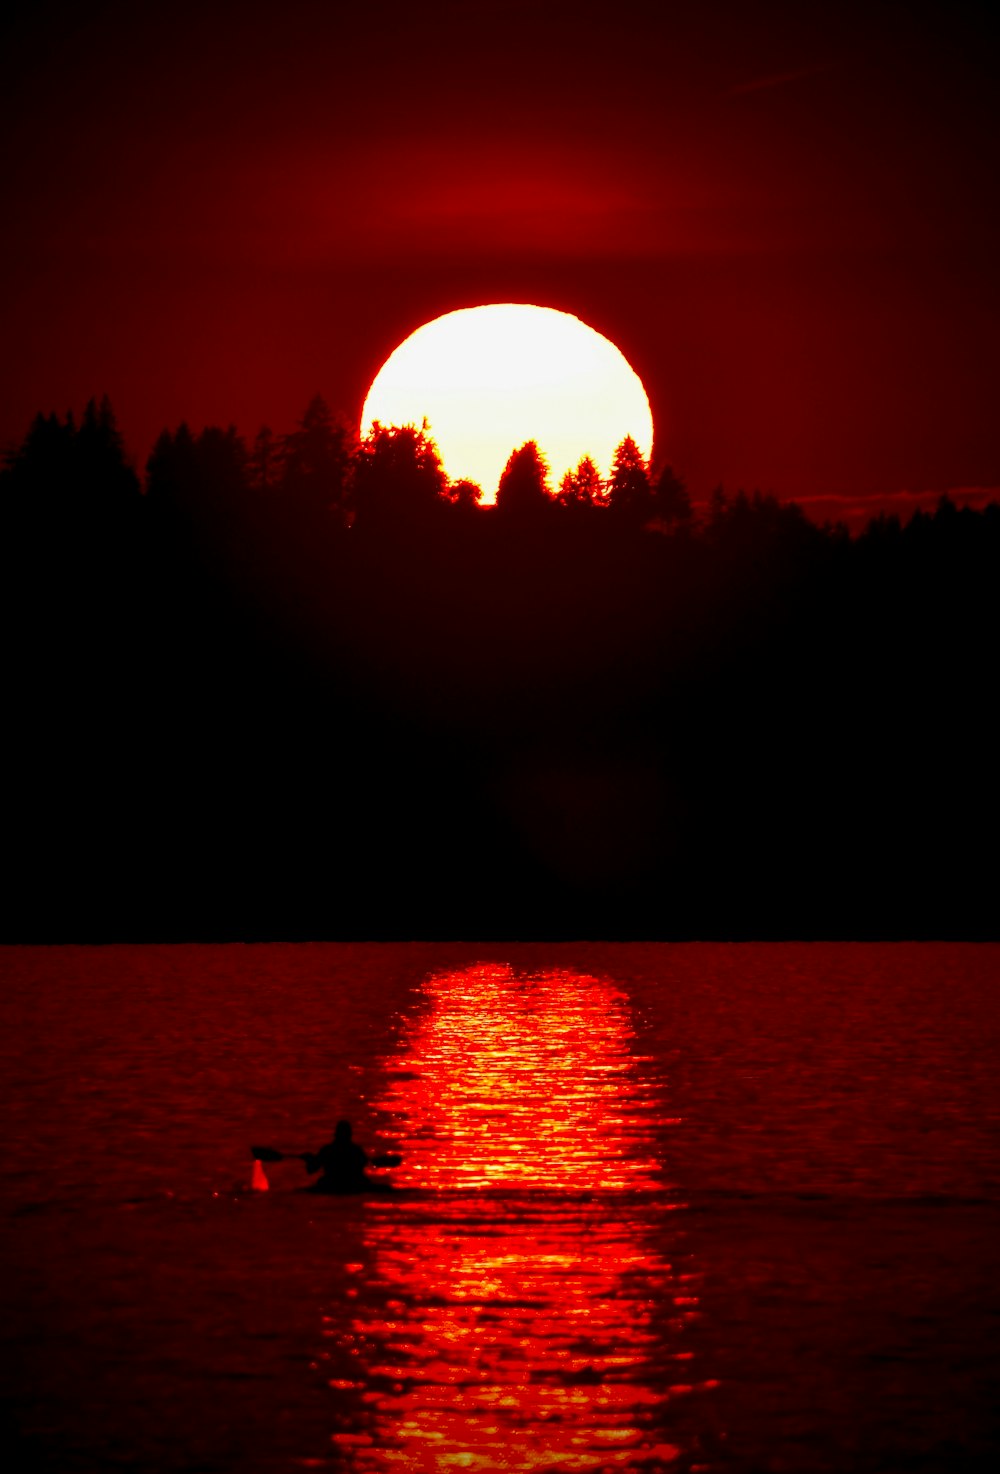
(671, 503)
(946, 516)
(464, 495)
(264, 463)
(44, 451)
(39, 474)
(398, 477)
(223, 474)
(718, 503)
(73, 571)
(108, 481)
(582, 487)
(883, 530)
(523, 491)
(222, 457)
(439, 673)
(628, 491)
(171, 468)
(77, 478)
(197, 488)
(316, 463)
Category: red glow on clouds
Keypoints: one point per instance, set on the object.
(782, 220)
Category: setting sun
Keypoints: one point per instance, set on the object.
(487, 379)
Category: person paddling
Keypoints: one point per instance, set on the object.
(341, 1163)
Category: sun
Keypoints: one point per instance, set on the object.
(486, 379)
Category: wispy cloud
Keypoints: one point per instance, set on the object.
(857, 511)
(779, 79)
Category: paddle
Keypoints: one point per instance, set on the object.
(271, 1154)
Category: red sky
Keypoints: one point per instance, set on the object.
(785, 215)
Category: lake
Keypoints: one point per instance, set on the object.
(660, 1208)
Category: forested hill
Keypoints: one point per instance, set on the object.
(306, 688)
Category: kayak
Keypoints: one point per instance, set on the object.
(341, 1179)
(349, 1189)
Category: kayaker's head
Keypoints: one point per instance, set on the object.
(342, 1131)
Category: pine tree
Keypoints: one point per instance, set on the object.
(582, 487)
(316, 462)
(524, 485)
(465, 495)
(264, 464)
(398, 478)
(629, 495)
(671, 503)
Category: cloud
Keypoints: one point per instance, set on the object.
(857, 511)
(779, 79)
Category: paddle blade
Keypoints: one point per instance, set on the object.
(266, 1154)
(387, 1159)
(258, 1181)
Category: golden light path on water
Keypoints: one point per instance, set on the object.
(524, 1080)
(535, 1295)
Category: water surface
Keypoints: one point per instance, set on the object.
(660, 1208)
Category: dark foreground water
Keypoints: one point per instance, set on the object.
(661, 1208)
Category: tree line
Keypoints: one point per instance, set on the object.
(307, 686)
(322, 470)
(322, 475)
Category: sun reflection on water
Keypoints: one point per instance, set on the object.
(528, 1303)
(523, 1080)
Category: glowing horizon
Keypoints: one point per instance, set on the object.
(487, 379)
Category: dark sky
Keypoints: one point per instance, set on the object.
(785, 215)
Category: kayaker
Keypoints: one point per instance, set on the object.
(341, 1163)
